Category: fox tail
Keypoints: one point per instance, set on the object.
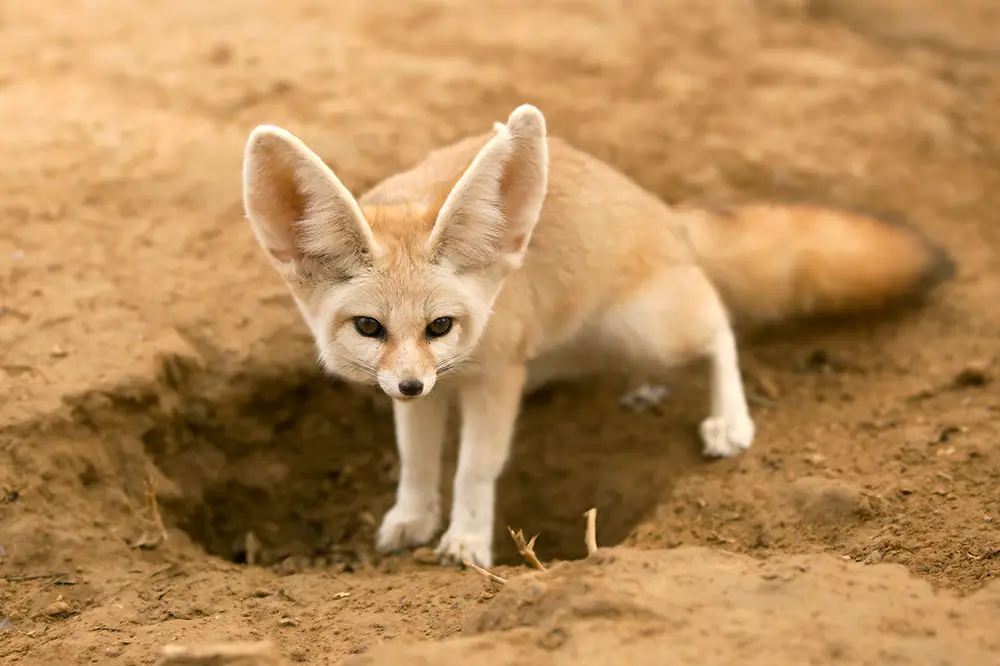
(774, 262)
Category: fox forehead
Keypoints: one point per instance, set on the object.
(400, 230)
(402, 290)
(407, 295)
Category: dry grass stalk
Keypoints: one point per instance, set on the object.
(591, 535)
(483, 572)
(153, 508)
(150, 538)
(527, 549)
(252, 546)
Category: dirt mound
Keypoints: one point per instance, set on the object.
(695, 605)
(175, 469)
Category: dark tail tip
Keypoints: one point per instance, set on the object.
(944, 268)
(941, 266)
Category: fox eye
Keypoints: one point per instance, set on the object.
(368, 327)
(439, 327)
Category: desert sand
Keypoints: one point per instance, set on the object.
(175, 471)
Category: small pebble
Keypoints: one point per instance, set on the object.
(424, 555)
(59, 608)
(972, 376)
(874, 557)
(816, 458)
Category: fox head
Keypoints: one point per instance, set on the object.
(398, 295)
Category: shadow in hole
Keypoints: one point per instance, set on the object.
(302, 465)
(309, 468)
(577, 448)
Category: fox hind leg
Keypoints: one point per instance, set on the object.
(678, 316)
(728, 430)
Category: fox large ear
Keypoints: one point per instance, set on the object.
(490, 213)
(299, 209)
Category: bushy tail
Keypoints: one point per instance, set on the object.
(775, 262)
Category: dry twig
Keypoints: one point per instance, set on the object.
(154, 508)
(151, 516)
(591, 536)
(527, 549)
(21, 579)
(252, 547)
(483, 572)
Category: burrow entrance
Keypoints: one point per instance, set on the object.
(278, 465)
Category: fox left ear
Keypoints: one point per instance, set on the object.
(299, 209)
(491, 212)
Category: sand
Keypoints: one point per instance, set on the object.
(148, 351)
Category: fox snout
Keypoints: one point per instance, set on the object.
(411, 388)
(406, 386)
(407, 371)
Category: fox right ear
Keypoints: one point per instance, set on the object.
(298, 208)
(490, 214)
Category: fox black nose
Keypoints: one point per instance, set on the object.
(411, 387)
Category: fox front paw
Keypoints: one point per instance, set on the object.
(404, 527)
(725, 437)
(459, 545)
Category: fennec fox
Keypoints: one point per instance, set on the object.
(509, 259)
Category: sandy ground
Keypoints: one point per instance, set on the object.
(146, 345)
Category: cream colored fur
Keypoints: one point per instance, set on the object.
(550, 264)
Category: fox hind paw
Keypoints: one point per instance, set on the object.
(725, 437)
(643, 397)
